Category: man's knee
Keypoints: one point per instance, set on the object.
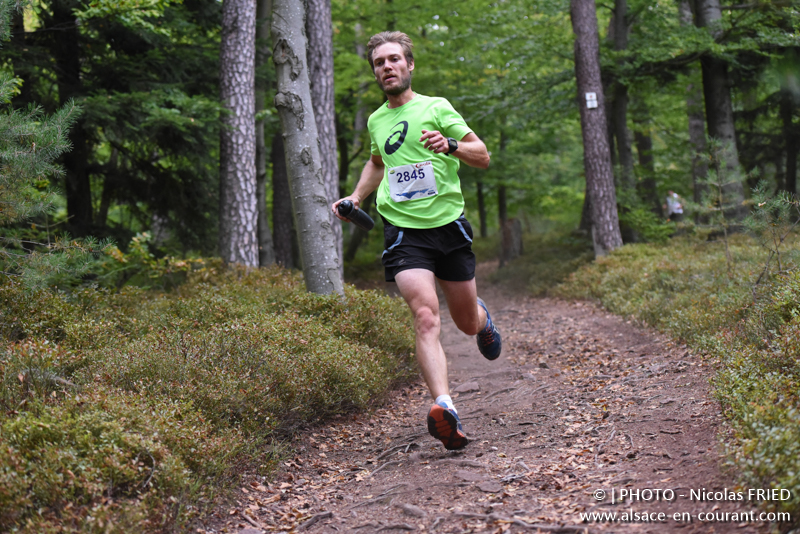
(470, 328)
(468, 324)
(426, 321)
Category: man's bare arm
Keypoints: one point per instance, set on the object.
(369, 181)
(471, 149)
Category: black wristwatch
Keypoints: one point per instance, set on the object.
(452, 145)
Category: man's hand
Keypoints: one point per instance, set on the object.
(471, 149)
(435, 141)
(352, 198)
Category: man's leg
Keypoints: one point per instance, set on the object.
(471, 316)
(462, 301)
(418, 288)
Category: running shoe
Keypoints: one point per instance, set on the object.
(444, 425)
(490, 343)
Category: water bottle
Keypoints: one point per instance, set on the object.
(355, 216)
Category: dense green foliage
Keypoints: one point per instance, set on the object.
(508, 68)
(31, 142)
(145, 150)
(131, 410)
(686, 288)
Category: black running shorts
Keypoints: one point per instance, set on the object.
(446, 250)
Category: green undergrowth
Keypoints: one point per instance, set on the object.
(688, 288)
(134, 410)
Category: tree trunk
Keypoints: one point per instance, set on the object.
(620, 100)
(21, 67)
(67, 56)
(318, 245)
(502, 205)
(792, 142)
(596, 159)
(586, 214)
(697, 121)
(108, 190)
(644, 148)
(360, 119)
(266, 250)
(481, 209)
(284, 236)
(349, 153)
(621, 132)
(319, 29)
(502, 216)
(719, 112)
(238, 220)
(697, 138)
(512, 240)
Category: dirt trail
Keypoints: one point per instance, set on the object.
(579, 401)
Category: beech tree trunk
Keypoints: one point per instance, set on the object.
(319, 28)
(266, 250)
(596, 157)
(697, 119)
(284, 236)
(238, 220)
(719, 112)
(620, 100)
(318, 246)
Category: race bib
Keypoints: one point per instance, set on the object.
(409, 182)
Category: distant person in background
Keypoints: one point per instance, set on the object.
(673, 207)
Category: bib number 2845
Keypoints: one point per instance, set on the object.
(413, 181)
(416, 174)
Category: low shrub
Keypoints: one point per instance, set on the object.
(108, 461)
(129, 410)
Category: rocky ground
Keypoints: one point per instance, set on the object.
(581, 407)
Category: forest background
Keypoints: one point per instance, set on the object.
(95, 342)
(145, 149)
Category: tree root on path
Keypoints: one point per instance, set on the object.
(382, 497)
(387, 464)
(311, 521)
(396, 448)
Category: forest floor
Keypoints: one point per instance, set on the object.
(580, 402)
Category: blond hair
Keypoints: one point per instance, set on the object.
(390, 37)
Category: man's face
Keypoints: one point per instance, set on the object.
(391, 69)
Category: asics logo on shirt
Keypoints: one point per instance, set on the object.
(390, 147)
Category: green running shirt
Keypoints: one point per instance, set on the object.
(419, 189)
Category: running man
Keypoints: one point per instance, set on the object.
(417, 144)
